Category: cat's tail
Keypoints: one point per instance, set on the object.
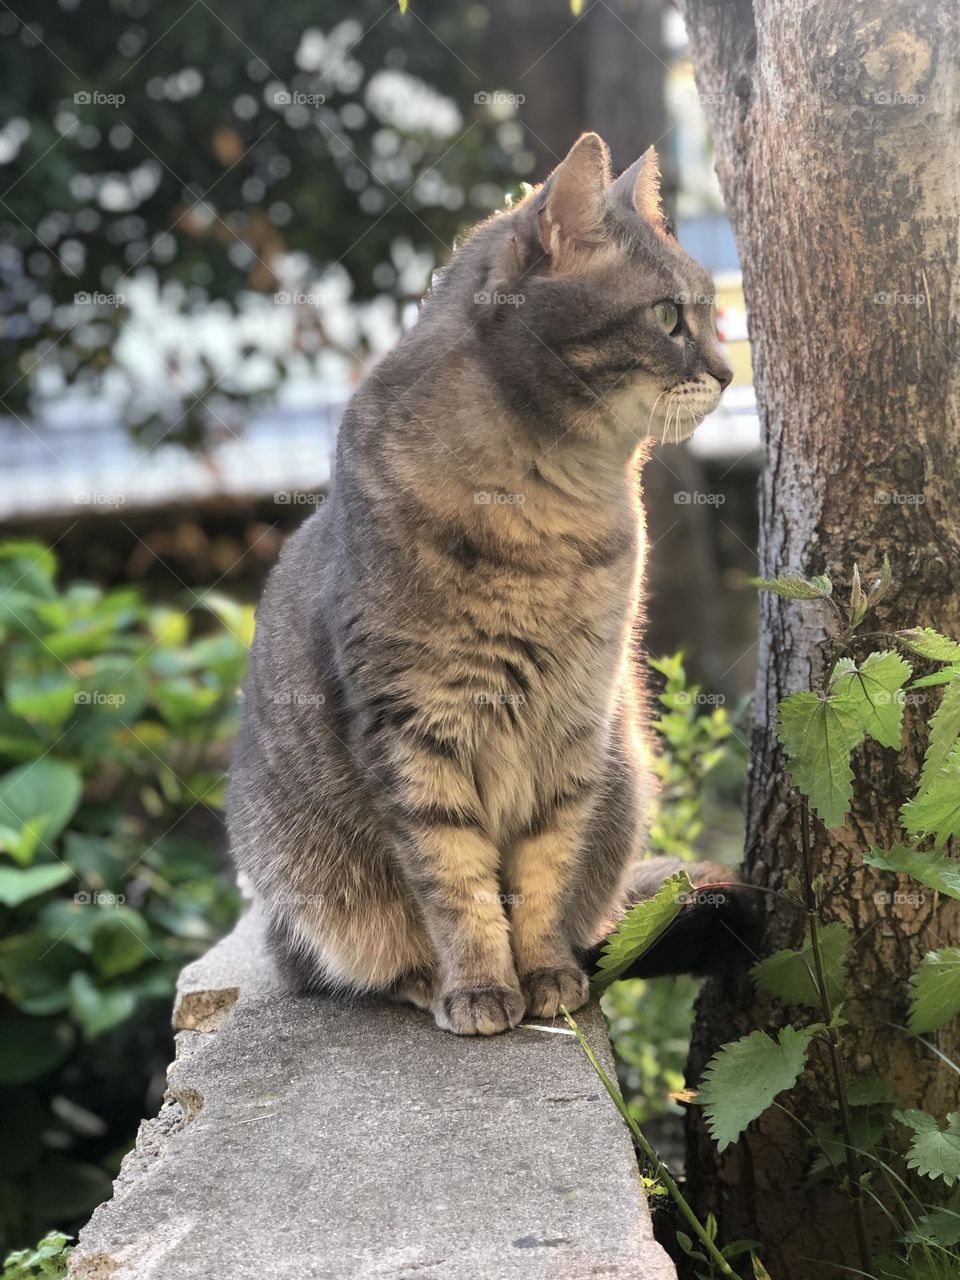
(719, 929)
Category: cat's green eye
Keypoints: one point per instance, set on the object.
(668, 314)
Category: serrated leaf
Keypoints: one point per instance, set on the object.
(943, 676)
(788, 974)
(935, 990)
(873, 693)
(795, 588)
(934, 1152)
(930, 644)
(937, 811)
(818, 735)
(743, 1078)
(944, 734)
(640, 928)
(935, 870)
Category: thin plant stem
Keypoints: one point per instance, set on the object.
(854, 1171)
(663, 1173)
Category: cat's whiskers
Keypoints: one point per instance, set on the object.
(654, 409)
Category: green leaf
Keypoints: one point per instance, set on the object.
(870, 1091)
(30, 1047)
(18, 885)
(937, 811)
(944, 734)
(873, 693)
(46, 699)
(818, 735)
(121, 941)
(866, 1131)
(935, 870)
(788, 974)
(641, 927)
(795, 588)
(940, 1227)
(97, 1009)
(45, 789)
(935, 990)
(22, 844)
(934, 1152)
(31, 566)
(943, 676)
(743, 1078)
(930, 644)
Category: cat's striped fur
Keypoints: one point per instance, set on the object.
(439, 788)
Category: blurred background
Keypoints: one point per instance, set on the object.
(214, 218)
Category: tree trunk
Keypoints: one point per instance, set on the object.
(838, 148)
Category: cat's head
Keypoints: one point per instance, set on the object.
(586, 306)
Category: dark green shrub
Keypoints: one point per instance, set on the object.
(115, 721)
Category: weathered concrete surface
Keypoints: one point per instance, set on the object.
(308, 1139)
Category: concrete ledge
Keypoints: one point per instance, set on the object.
(310, 1139)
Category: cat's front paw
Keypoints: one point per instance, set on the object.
(547, 989)
(478, 1011)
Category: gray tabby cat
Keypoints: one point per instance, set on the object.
(440, 789)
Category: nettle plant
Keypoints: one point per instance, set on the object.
(907, 1162)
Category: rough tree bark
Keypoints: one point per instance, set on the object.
(838, 148)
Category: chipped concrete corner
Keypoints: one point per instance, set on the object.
(331, 1141)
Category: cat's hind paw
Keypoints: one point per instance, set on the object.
(547, 989)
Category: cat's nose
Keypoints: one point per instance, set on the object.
(723, 374)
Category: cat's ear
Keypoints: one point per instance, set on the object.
(571, 209)
(637, 190)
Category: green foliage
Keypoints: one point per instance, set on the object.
(934, 869)
(694, 735)
(47, 1260)
(819, 729)
(789, 975)
(874, 693)
(935, 990)
(796, 588)
(640, 928)
(743, 1078)
(933, 1152)
(105, 892)
(818, 734)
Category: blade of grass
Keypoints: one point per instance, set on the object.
(663, 1173)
